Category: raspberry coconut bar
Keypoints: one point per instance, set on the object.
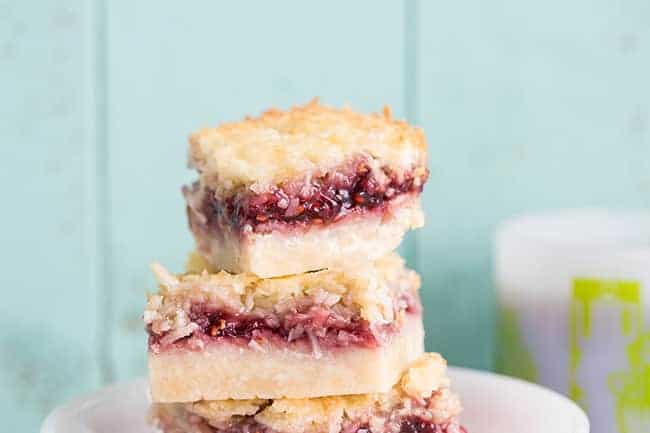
(305, 189)
(420, 402)
(216, 336)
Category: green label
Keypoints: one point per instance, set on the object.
(631, 386)
(513, 356)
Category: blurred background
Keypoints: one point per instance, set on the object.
(526, 106)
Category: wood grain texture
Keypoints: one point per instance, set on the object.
(48, 326)
(172, 70)
(527, 106)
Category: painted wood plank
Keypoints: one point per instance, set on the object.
(527, 106)
(49, 303)
(173, 69)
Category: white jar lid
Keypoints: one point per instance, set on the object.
(586, 228)
(540, 252)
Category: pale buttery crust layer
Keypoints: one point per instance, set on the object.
(419, 402)
(227, 371)
(343, 244)
(302, 142)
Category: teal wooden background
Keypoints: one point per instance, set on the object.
(526, 105)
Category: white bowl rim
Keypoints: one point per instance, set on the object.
(578, 413)
(87, 401)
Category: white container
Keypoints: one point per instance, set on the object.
(574, 310)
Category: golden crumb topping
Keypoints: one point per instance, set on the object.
(431, 399)
(427, 374)
(301, 142)
(313, 415)
(220, 411)
(371, 291)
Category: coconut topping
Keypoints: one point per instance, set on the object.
(301, 142)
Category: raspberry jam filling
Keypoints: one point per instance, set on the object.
(247, 424)
(415, 424)
(313, 328)
(411, 424)
(320, 200)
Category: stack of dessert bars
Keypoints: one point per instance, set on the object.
(295, 314)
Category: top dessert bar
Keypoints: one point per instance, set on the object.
(304, 189)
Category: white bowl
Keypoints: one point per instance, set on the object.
(493, 404)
